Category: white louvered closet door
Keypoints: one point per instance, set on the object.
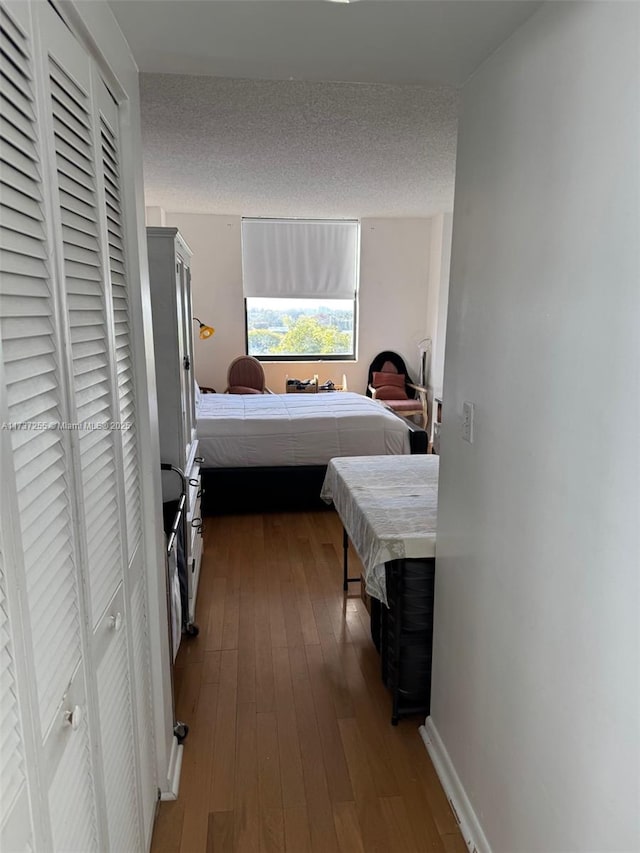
(88, 262)
(118, 288)
(119, 294)
(37, 473)
(74, 598)
(87, 311)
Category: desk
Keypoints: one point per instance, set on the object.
(388, 507)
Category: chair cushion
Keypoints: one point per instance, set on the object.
(243, 389)
(391, 385)
(380, 377)
(389, 392)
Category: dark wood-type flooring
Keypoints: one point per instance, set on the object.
(290, 744)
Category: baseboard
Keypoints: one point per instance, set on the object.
(468, 822)
(173, 776)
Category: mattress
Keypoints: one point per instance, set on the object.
(255, 430)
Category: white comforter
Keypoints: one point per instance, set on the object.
(241, 430)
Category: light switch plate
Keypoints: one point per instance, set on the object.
(467, 421)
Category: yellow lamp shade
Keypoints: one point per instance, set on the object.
(205, 331)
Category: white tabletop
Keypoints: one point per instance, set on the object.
(388, 506)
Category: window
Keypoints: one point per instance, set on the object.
(300, 328)
(300, 285)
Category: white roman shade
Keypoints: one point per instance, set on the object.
(297, 258)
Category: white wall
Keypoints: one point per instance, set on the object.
(536, 688)
(394, 276)
(438, 295)
(216, 281)
(394, 270)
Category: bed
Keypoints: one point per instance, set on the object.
(271, 450)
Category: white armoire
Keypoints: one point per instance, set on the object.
(170, 278)
(78, 758)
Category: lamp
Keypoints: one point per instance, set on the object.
(205, 331)
(424, 349)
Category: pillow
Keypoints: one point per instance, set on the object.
(395, 380)
(197, 394)
(390, 392)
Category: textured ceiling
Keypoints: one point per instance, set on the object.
(307, 108)
(291, 148)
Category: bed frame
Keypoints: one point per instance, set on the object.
(280, 488)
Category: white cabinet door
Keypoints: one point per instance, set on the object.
(185, 357)
(190, 405)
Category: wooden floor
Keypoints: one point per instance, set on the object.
(290, 744)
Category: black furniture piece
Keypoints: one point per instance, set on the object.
(388, 508)
(277, 488)
(403, 634)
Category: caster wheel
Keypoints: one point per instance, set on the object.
(192, 630)
(180, 730)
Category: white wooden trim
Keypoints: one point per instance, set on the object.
(175, 766)
(468, 822)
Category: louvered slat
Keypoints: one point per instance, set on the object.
(120, 303)
(114, 694)
(20, 203)
(88, 326)
(33, 388)
(13, 37)
(19, 174)
(16, 111)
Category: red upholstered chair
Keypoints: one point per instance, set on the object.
(246, 376)
(389, 383)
